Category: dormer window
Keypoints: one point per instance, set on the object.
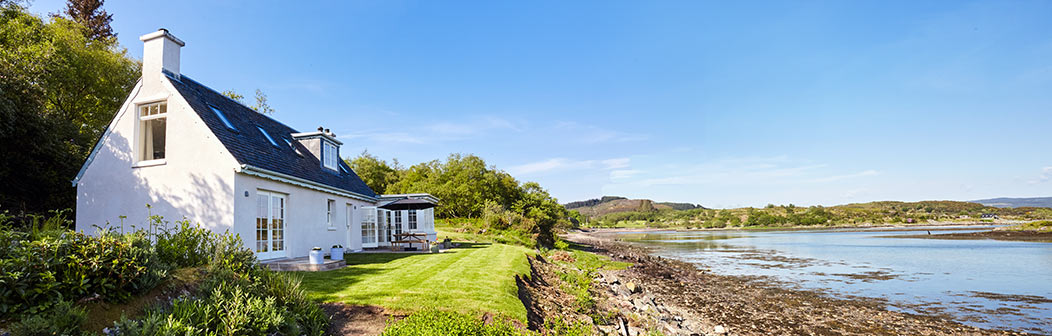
(153, 126)
(330, 157)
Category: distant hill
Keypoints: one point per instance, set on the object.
(614, 204)
(1008, 202)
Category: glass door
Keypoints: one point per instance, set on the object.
(270, 225)
(384, 223)
(369, 233)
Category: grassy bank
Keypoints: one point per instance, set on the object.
(1044, 226)
(473, 279)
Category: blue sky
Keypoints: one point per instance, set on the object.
(724, 104)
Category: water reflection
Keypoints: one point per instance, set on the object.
(992, 284)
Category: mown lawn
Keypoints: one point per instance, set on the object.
(471, 279)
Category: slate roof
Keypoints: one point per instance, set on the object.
(250, 147)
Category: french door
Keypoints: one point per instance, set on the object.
(270, 225)
(369, 234)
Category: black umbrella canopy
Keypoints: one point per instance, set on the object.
(409, 204)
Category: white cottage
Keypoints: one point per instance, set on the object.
(189, 151)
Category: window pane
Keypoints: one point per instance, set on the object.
(158, 126)
(153, 139)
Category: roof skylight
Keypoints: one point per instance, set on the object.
(222, 117)
(289, 142)
(268, 136)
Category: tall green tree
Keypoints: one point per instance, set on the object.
(60, 89)
(89, 13)
(376, 173)
(463, 182)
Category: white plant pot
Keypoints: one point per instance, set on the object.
(316, 257)
(336, 253)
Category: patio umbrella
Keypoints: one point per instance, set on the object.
(409, 204)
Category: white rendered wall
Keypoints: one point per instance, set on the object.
(196, 181)
(306, 216)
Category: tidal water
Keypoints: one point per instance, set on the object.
(985, 283)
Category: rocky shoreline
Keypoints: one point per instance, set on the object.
(658, 294)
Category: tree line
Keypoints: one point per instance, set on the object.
(62, 79)
(791, 215)
(469, 188)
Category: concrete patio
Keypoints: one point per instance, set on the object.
(303, 265)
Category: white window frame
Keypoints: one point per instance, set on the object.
(269, 240)
(412, 221)
(139, 150)
(330, 155)
(331, 204)
(369, 227)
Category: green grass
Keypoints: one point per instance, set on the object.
(1033, 226)
(472, 279)
(447, 230)
(592, 261)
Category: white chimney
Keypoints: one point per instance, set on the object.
(160, 51)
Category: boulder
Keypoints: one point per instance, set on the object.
(633, 287)
(719, 330)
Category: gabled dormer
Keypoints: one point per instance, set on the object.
(323, 145)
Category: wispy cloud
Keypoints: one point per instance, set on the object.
(621, 174)
(738, 171)
(475, 126)
(591, 134)
(844, 176)
(386, 136)
(616, 163)
(437, 131)
(1045, 176)
(563, 164)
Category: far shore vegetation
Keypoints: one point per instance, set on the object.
(645, 215)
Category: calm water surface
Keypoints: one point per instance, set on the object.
(986, 283)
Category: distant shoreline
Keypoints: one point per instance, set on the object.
(880, 227)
